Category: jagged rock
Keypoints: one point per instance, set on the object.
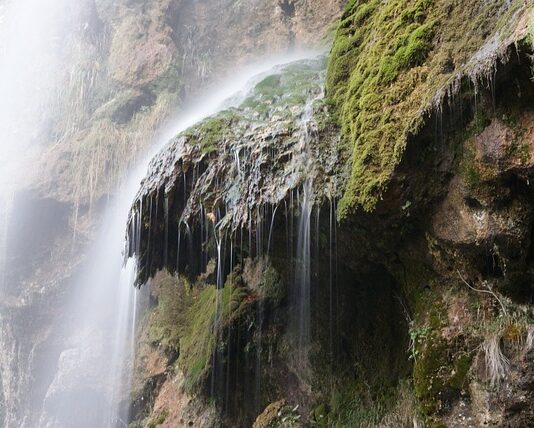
(478, 232)
(229, 167)
(269, 415)
(73, 385)
(181, 408)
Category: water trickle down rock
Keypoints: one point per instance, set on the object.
(222, 175)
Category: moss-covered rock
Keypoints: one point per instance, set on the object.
(278, 415)
(212, 312)
(232, 166)
(388, 63)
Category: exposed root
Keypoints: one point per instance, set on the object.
(529, 343)
(497, 364)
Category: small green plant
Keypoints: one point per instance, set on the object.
(418, 335)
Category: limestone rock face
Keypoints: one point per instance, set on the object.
(487, 215)
(473, 230)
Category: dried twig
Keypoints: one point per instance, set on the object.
(491, 292)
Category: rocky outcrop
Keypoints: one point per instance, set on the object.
(225, 171)
(233, 178)
(422, 300)
(405, 59)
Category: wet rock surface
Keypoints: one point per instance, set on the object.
(420, 310)
(228, 168)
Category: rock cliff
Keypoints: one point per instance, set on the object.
(419, 306)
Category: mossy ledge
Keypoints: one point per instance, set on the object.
(392, 63)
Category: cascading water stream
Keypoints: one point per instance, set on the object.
(224, 98)
(303, 258)
(91, 377)
(104, 275)
(303, 272)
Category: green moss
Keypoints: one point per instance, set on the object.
(462, 364)
(469, 169)
(174, 298)
(354, 405)
(441, 366)
(439, 370)
(255, 104)
(235, 300)
(211, 311)
(518, 151)
(159, 419)
(426, 375)
(197, 340)
(480, 122)
(385, 67)
(411, 50)
(271, 286)
(270, 86)
(291, 87)
(319, 416)
(210, 132)
(349, 408)
(417, 279)
(430, 353)
(271, 97)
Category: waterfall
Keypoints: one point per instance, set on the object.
(103, 309)
(302, 256)
(92, 374)
(29, 74)
(35, 38)
(303, 272)
(91, 380)
(78, 374)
